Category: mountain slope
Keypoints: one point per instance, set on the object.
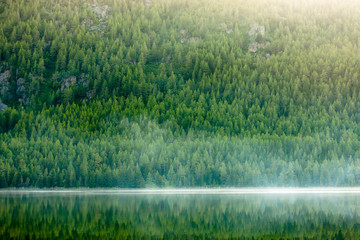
(179, 93)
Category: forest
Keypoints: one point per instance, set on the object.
(179, 93)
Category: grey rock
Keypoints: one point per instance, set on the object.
(90, 94)
(68, 82)
(256, 29)
(2, 106)
(4, 82)
(148, 3)
(254, 46)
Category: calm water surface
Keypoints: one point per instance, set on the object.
(195, 215)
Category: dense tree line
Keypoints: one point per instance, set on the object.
(179, 93)
(58, 146)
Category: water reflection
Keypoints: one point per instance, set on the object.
(113, 216)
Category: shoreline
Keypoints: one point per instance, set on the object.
(189, 191)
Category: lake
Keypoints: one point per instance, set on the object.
(184, 214)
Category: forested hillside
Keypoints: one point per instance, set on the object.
(179, 93)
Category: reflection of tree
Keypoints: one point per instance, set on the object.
(174, 216)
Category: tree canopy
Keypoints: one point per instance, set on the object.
(120, 93)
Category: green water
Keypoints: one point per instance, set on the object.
(89, 215)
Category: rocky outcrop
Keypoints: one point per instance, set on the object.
(184, 36)
(254, 46)
(194, 40)
(228, 31)
(90, 94)
(4, 83)
(225, 28)
(21, 91)
(81, 80)
(256, 29)
(2, 106)
(102, 12)
(148, 3)
(68, 82)
(256, 34)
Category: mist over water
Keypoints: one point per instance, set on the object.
(201, 213)
(170, 191)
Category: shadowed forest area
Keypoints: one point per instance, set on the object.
(179, 93)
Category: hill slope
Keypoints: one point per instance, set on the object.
(179, 93)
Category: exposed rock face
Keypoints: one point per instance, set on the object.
(256, 33)
(228, 31)
(194, 40)
(72, 81)
(4, 83)
(68, 82)
(184, 36)
(81, 80)
(21, 91)
(101, 11)
(225, 28)
(2, 106)
(254, 46)
(256, 29)
(90, 94)
(148, 3)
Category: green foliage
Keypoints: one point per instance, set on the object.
(95, 145)
(278, 84)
